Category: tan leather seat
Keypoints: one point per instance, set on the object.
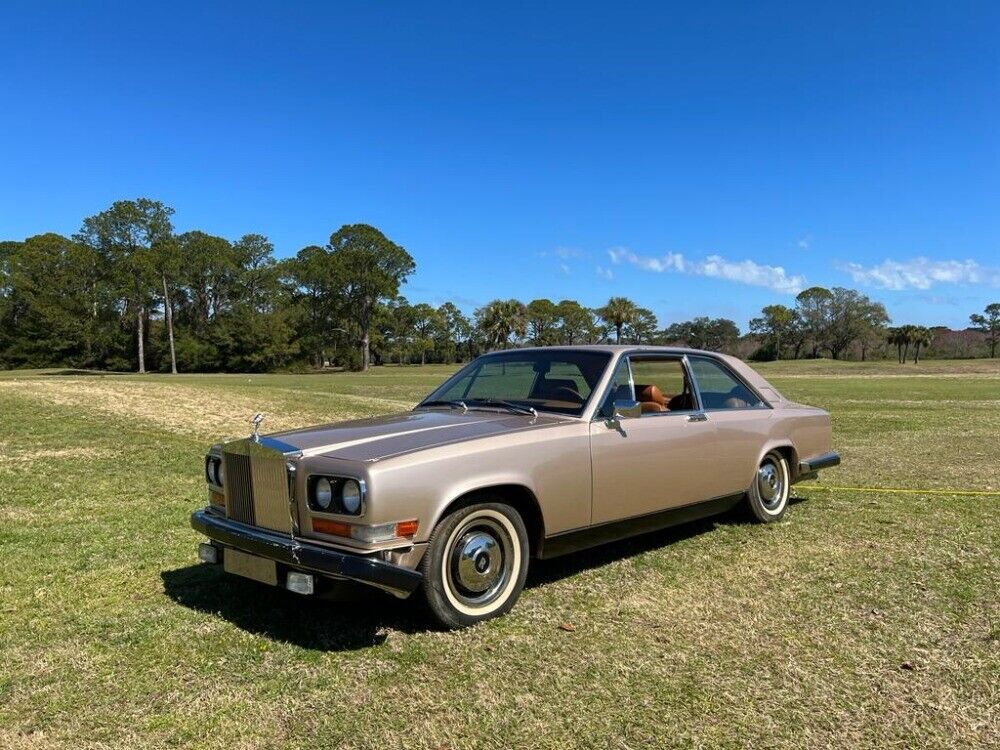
(650, 398)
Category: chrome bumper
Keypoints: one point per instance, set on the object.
(809, 468)
(304, 555)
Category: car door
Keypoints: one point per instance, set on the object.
(660, 460)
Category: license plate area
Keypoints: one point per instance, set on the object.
(250, 566)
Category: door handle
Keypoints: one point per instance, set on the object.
(697, 417)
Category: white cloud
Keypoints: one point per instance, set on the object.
(605, 273)
(804, 243)
(565, 269)
(922, 273)
(714, 266)
(565, 253)
(668, 262)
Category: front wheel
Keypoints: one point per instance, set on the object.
(767, 497)
(475, 564)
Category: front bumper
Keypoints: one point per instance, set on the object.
(303, 555)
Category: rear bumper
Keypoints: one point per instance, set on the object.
(808, 469)
(302, 555)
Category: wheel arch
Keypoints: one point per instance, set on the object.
(518, 496)
(788, 451)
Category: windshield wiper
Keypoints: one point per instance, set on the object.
(505, 405)
(453, 404)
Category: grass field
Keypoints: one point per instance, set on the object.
(865, 619)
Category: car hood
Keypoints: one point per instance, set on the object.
(394, 434)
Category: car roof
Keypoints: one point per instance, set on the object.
(610, 348)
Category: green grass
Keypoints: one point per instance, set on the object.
(865, 619)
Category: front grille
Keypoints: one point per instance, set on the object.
(239, 488)
(256, 485)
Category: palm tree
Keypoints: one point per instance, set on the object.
(896, 338)
(500, 320)
(618, 313)
(921, 337)
(907, 333)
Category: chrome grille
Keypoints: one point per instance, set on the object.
(257, 485)
(239, 488)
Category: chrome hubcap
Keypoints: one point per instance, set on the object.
(769, 484)
(480, 562)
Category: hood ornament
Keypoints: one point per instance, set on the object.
(257, 419)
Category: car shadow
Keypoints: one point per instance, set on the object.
(361, 620)
(363, 617)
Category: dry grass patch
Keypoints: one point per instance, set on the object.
(211, 414)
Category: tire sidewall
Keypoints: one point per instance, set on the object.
(754, 501)
(443, 604)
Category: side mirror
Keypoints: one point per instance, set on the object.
(626, 409)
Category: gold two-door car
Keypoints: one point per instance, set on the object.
(521, 454)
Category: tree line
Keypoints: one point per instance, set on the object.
(126, 292)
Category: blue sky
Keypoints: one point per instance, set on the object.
(701, 158)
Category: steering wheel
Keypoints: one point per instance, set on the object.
(565, 389)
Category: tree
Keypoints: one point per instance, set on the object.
(897, 337)
(642, 328)
(51, 302)
(989, 324)
(850, 315)
(617, 313)
(455, 333)
(425, 322)
(374, 269)
(776, 327)
(501, 320)
(576, 322)
(318, 280)
(255, 331)
(921, 337)
(873, 322)
(813, 308)
(542, 317)
(167, 261)
(124, 235)
(713, 334)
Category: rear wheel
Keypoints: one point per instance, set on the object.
(767, 497)
(475, 564)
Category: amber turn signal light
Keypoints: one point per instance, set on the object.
(326, 526)
(216, 498)
(406, 528)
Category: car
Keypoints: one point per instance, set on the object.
(522, 454)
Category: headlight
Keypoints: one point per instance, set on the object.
(213, 470)
(350, 497)
(336, 495)
(323, 493)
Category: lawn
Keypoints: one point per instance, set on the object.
(865, 619)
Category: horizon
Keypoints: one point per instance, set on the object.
(699, 163)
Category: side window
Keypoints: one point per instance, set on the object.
(719, 389)
(661, 385)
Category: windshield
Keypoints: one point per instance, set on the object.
(559, 381)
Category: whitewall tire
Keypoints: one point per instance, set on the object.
(475, 564)
(767, 497)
